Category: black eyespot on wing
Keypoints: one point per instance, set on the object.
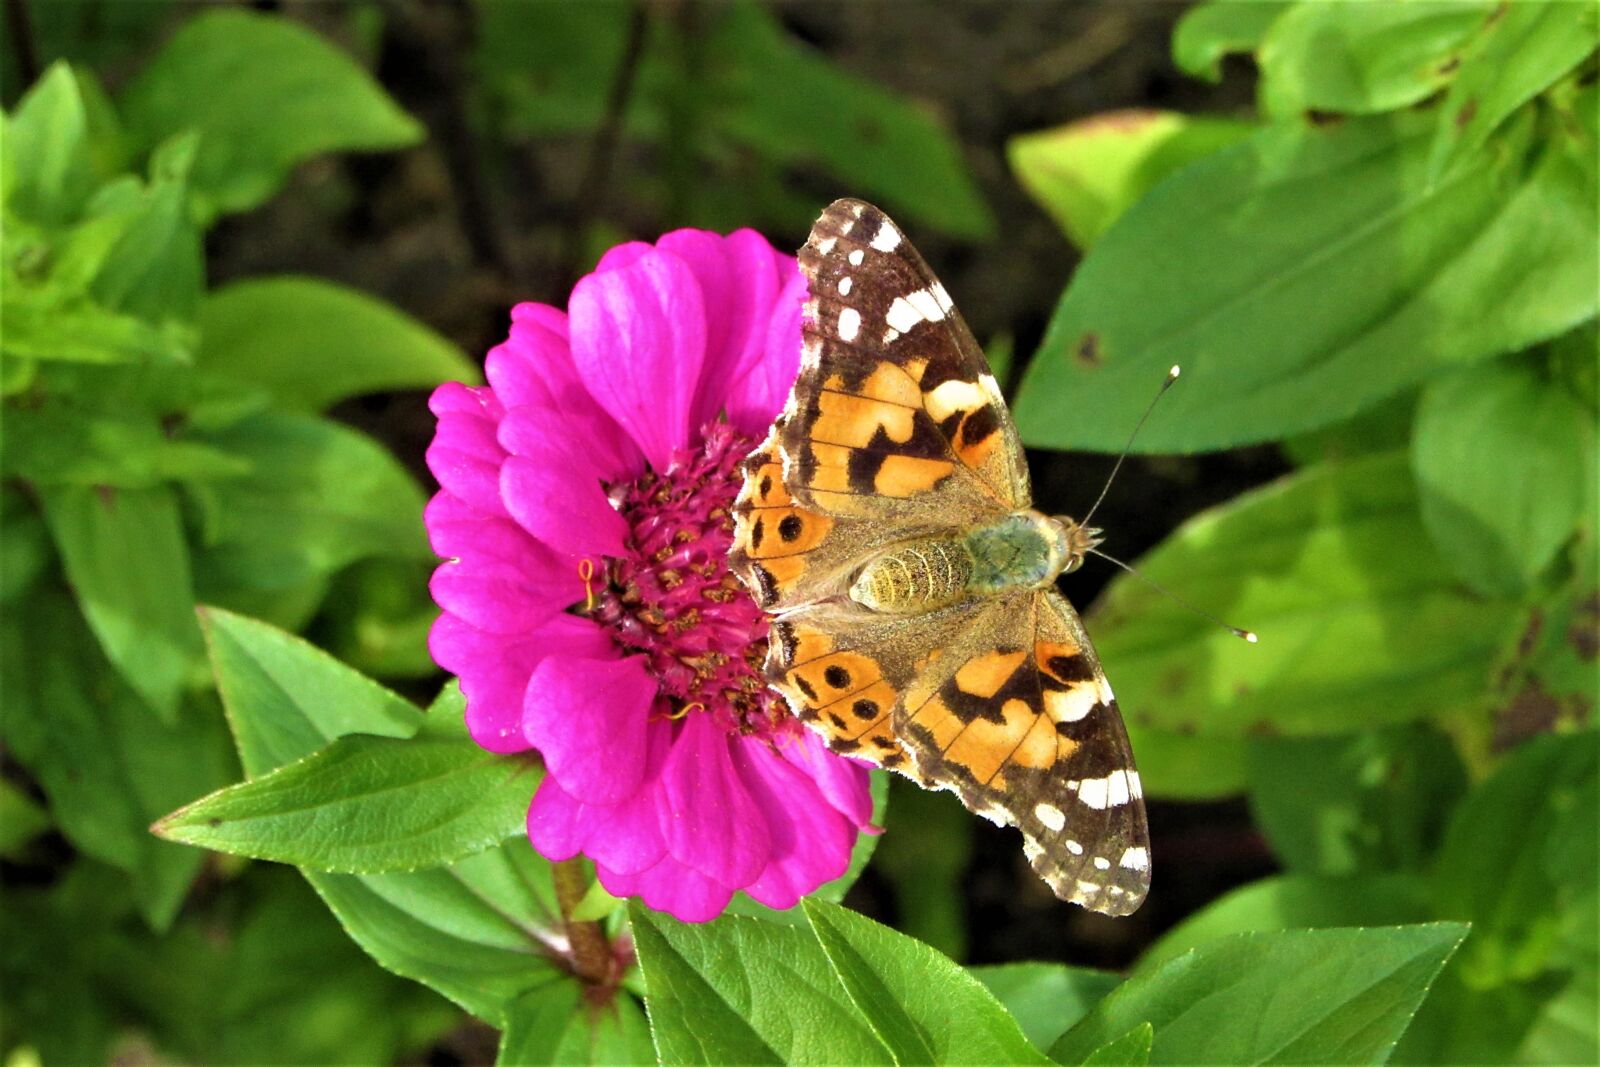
(758, 532)
(866, 710)
(836, 677)
(790, 528)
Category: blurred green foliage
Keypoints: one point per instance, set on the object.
(1388, 271)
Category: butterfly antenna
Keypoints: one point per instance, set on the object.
(1172, 376)
(1248, 635)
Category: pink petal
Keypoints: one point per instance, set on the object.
(638, 339)
(708, 819)
(844, 783)
(456, 528)
(762, 383)
(585, 439)
(534, 361)
(494, 670)
(587, 717)
(811, 841)
(623, 255)
(672, 887)
(623, 836)
(738, 283)
(464, 455)
(564, 509)
(502, 597)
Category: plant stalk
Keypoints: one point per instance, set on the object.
(591, 955)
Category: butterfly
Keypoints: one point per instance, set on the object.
(885, 525)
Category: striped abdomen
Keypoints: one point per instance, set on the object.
(916, 577)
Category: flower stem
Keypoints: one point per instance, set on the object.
(591, 956)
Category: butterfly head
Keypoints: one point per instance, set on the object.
(1072, 541)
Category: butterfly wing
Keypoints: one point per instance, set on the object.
(1026, 731)
(894, 413)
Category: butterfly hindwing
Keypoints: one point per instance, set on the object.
(1026, 731)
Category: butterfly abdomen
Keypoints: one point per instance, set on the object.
(916, 577)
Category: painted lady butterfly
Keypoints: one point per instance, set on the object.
(886, 525)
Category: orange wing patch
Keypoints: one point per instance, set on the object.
(854, 420)
(903, 476)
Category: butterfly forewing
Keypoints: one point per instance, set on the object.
(895, 434)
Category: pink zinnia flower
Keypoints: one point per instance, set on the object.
(588, 607)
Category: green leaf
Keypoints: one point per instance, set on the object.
(21, 820)
(155, 269)
(780, 98)
(1208, 32)
(1504, 459)
(1132, 1049)
(1523, 50)
(286, 698)
(321, 496)
(55, 441)
(742, 990)
(1359, 58)
(265, 94)
(922, 1006)
(1293, 901)
(366, 805)
(126, 557)
(482, 932)
(720, 89)
(311, 343)
(49, 325)
(284, 985)
(1372, 801)
(49, 176)
(1179, 766)
(1360, 623)
(1306, 274)
(1087, 173)
(927, 846)
(106, 766)
(1045, 998)
(1520, 852)
(25, 550)
(1384, 427)
(550, 1025)
(1317, 996)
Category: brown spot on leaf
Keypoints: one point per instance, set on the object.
(1324, 119)
(1464, 116)
(1088, 351)
(1530, 713)
(1584, 634)
(1449, 65)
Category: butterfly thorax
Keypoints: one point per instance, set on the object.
(1023, 550)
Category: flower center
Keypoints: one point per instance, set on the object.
(673, 598)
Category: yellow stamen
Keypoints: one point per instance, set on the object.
(586, 572)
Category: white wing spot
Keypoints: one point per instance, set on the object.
(1050, 815)
(887, 239)
(902, 316)
(926, 304)
(826, 244)
(1070, 705)
(1135, 859)
(1135, 787)
(1102, 864)
(1094, 793)
(937, 289)
(857, 257)
(1074, 848)
(849, 324)
(951, 396)
(844, 286)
